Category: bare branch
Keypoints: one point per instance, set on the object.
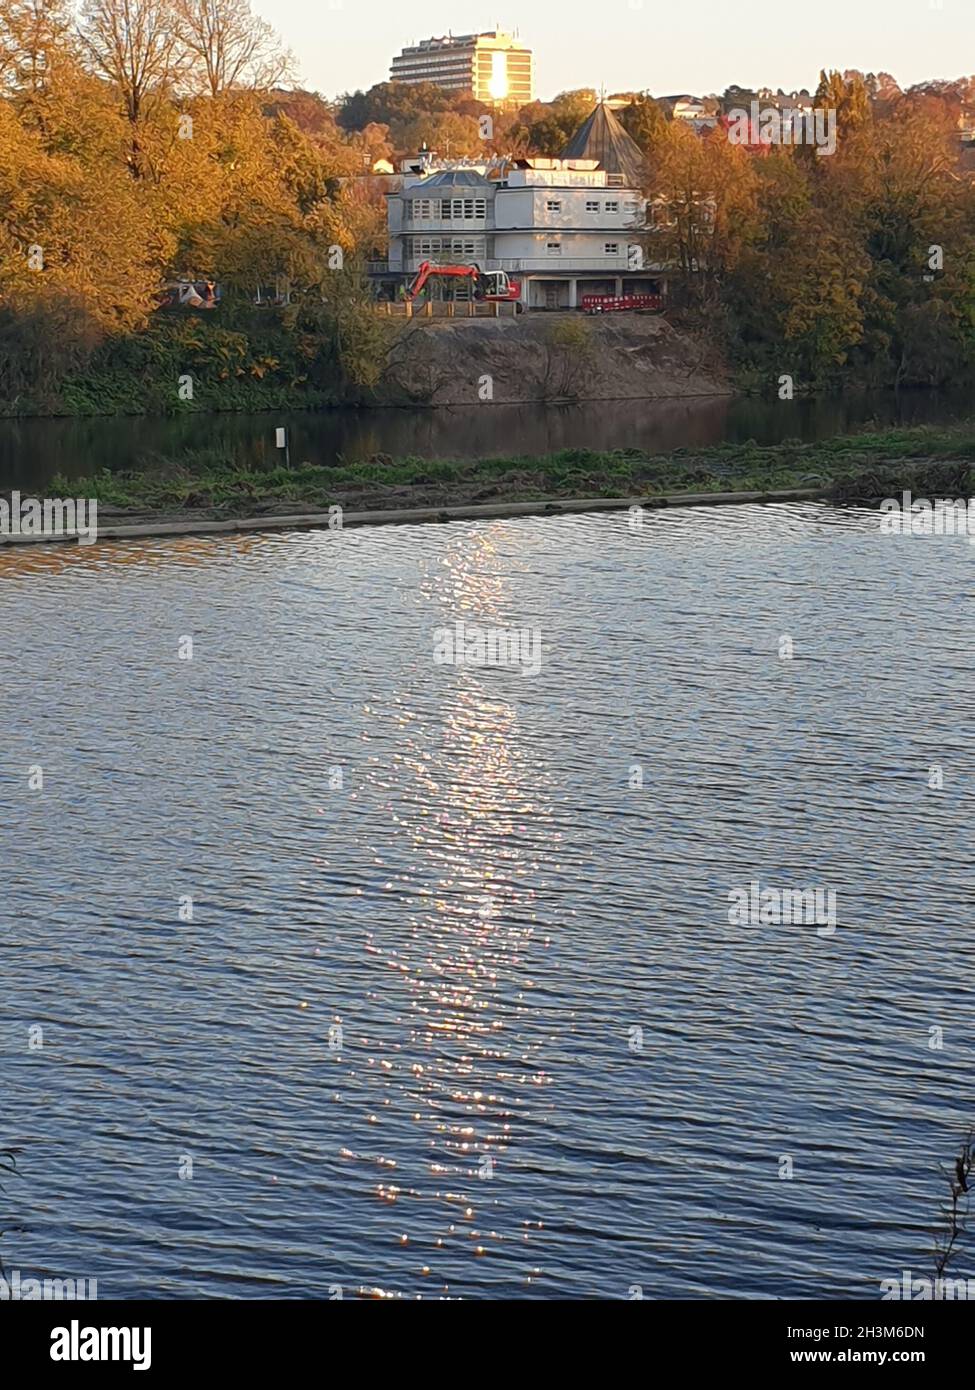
(231, 47)
(956, 1209)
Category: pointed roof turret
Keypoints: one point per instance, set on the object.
(602, 137)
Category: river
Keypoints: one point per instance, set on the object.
(33, 451)
(329, 968)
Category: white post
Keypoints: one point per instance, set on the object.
(281, 442)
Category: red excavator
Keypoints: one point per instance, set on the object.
(492, 285)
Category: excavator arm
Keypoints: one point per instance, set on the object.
(490, 285)
(428, 270)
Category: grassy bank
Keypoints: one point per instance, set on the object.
(210, 483)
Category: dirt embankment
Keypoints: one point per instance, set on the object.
(552, 357)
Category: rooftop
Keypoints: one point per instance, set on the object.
(603, 139)
(455, 178)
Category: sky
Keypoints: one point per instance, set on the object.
(663, 46)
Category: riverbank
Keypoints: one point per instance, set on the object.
(208, 491)
(211, 486)
(245, 360)
(342, 519)
(556, 357)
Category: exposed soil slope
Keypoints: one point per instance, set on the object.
(546, 357)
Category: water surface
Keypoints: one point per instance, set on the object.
(487, 907)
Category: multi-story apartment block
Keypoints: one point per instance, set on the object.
(493, 67)
(563, 227)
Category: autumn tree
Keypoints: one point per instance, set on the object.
(796, 294)
(864, 265)
(703, 200)
(230, 47)
(35, 35)
(448, 134)
(915, 218)
(99, 238)
(134, 45)
(847, 96)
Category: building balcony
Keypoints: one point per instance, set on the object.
(435, 225)
(562, 265)
(593, 267)
(411, 264)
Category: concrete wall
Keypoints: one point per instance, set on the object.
(579, 250)
(522, 208)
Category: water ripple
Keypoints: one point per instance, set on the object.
(431, 907)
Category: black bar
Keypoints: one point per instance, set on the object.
(251, 1337)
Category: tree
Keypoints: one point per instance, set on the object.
(134, 44)
(899, 181)
(847, 96)
(865, 262)
(644, 121)
(389, 102)
(35, 35)
(447, 134)
(565, 361)
(735, 98)
(95, 236)
(704, 198)
(230, 46)
(548, 129)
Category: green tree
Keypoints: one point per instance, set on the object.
(644, 121)
(847, 97)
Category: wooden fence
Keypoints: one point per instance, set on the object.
(447, 309)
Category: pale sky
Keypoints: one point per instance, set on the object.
(665, 46)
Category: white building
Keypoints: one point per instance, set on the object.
(685, 107)
(562, 227)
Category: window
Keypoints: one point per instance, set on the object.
(612, 248)
(553, 248)
(612, 207)
(553, 205)
(447, 209)
(463, 209)
(448, 248)
(592, 205)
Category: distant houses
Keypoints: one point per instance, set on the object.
(699, 113)
(683, 108)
